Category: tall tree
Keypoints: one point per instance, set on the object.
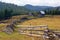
(8, 13)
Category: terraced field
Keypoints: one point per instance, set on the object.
(52, 22)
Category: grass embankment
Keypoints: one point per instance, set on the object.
(2, 26)
(14, 35)
(53, 23)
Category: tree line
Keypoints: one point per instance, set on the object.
(54, 11)
(8, 13)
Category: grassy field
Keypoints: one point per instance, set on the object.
(17, 36)
(13, 36)
(52, 22)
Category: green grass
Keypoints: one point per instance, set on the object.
(13, 36)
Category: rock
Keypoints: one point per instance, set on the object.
(23, 19)
(9, 29)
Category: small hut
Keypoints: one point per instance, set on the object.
(41, 14)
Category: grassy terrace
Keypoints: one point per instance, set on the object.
(53, 23)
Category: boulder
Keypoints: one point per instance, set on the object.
(9, 29)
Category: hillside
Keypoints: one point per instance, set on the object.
(15, 8)
(37, 8)
(52, 22)
(24, 9)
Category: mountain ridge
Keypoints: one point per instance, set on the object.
(26, 7)
(37, 8)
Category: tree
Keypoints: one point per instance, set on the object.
(2, 15)
(8, 13)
